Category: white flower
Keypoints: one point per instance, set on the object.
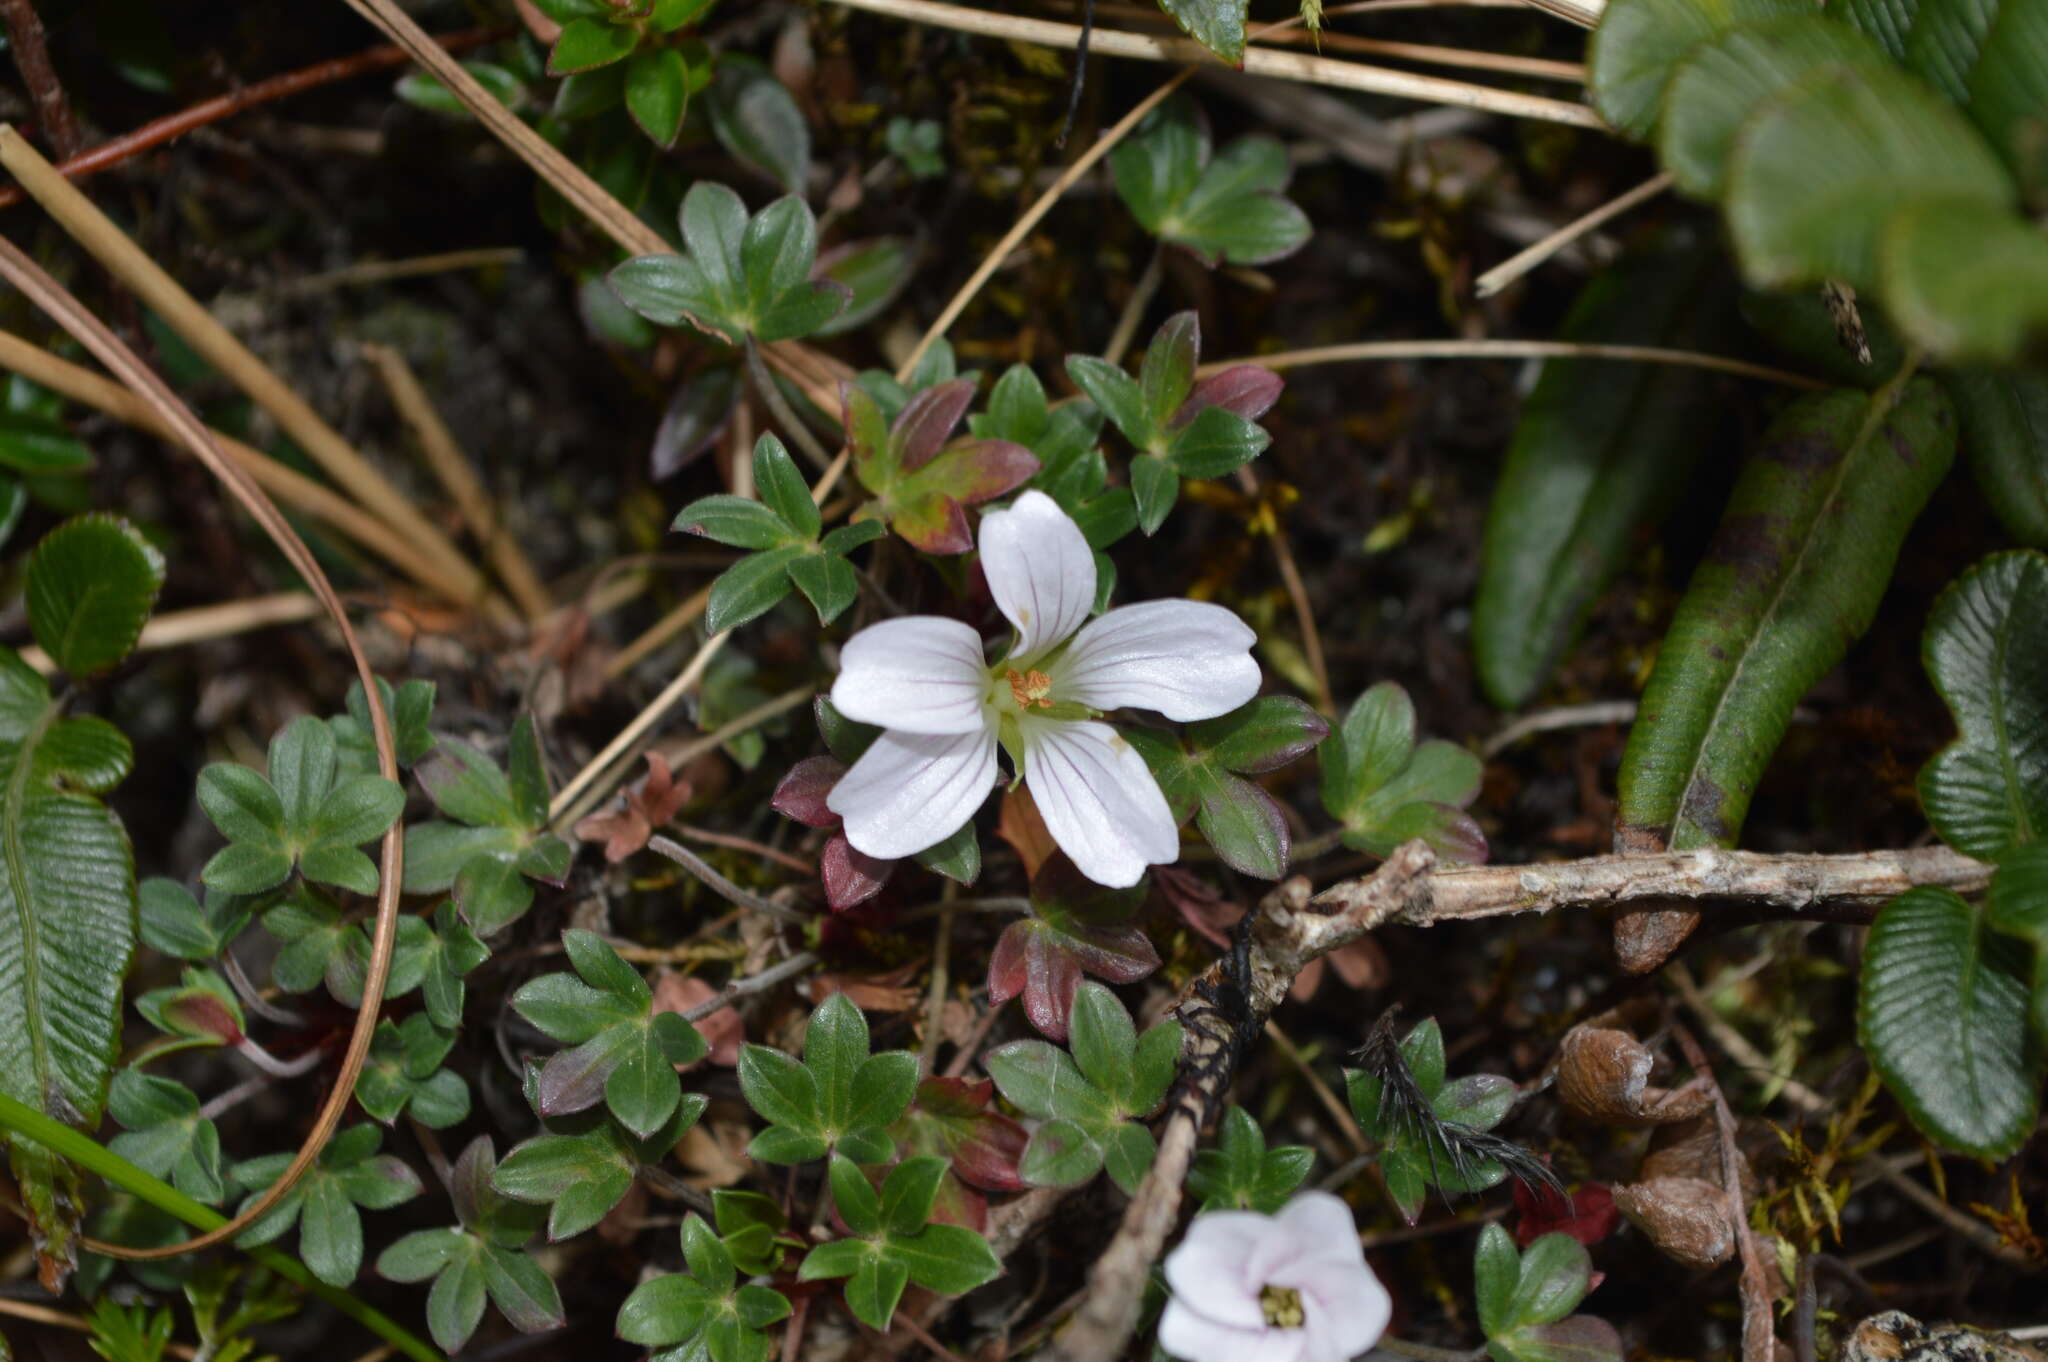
(1291, 1287)
(943, 709)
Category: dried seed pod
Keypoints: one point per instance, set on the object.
(1692, 1149)
(1686, 1218)
(1605, 1074)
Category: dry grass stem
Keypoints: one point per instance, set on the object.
(1512, 349)
(288, 485)
(1300, 66)
(96, 232)
(456, 475)
(68, 312)
(663, 629)
(1522, 261)
(176, 628)
(413, 267)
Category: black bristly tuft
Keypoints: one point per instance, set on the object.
(1404, 1108)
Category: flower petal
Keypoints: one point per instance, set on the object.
(1207, 1269)
(1344, 1307)
(1194, 1337)
(921, 674)
(1039, 570)
(1313, 1227)
(1098, 799)
(1186, 659)
(913, 790)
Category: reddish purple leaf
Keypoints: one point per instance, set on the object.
(921, 431)
(201, 1013)
(1042, 961)
(974, 471)
(1245, 389)
(851, 877)
(984, 1145)
(933, 522)
(801, 795)
(573, 1079)
(1588, 1216)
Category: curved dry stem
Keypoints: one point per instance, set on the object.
(73, 316)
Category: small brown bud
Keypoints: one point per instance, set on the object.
(1686, 1218)
(1604, 1074)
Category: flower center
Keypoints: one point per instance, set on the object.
(1031, 688)
(1282, 1305)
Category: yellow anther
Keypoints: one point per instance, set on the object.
(1282, 1307)
(1031, 688)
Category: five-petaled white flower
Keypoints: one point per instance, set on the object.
(944, 710)
(1291, 1287)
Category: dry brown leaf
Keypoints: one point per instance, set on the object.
(1020, 826)
(1686, 1218)
(715, 1153)
(722, 1030)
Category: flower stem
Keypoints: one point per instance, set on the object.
(1134, 306)
(784, 414)
(94, 1157)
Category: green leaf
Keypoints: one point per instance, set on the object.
(1552, 1280)
(1102, 1039)
(1231, 208)
(1386, 789)
(2018, 906)
(1818, 171)
(522, 1290)
(1060, 1153)
(1987, 791)
(455, 1303)
(1156, 486)
(1496, 1271)
(2004, 421)
(1640, 43)
(1216, 442)
(1168, 372)
(948, 1259)
(908, 1193)
(1127, 1153)
(739, 521)
(1984, 303)
(40, 445)
(757, 121)
(91, 584)
(783, 488)
(2008, 97)
(875, 1287)
(658, 92)
(854, 1198)
(586, 44)
(1942, 1013)
(1803, 554)
(1601, 450)
(1118, 395)
(1216, 24)
(165, 1134)
(174, 923)
(874, 274)
(1724, 80)
(67, 930)
(750, 588)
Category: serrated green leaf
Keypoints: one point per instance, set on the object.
(1803, 554)
(1942, 1013)
(1216, 24)
(1819, 170)
(1985, 303)
(67, 931)
(588, 43)
(91, 583)
(1639, 45)
(1987, 791)
(2003, 417)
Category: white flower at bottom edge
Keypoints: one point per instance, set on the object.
(1291, 1287)
(944, 711)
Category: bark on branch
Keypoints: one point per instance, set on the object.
(1294, 926)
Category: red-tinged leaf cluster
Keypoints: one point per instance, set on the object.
(1243, 389)
(1075, 928)
(851, 877)
(922, 483)
(1589, 1215)
(951, 1119)
(648, 807)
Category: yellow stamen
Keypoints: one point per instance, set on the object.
(1282, 1306)
(1031, 688)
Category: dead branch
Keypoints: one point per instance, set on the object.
(1294, 927)
(32, 59)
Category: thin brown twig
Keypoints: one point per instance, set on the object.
(719, 884)
(1529, 257)
(1759, 1337)
(32, 58)
(1511, 349)
(751, 847)
(176, 628)
(753, 983)
(68, 312)
(452, 468)
(1297, 597)
(115, 150)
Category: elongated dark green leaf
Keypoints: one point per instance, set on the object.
(1988, 656)
(1640, 43)
(2009, 89)
(1601, 449)
(758, 121)
(2003, 418)
(1818, 171)
(1803, 553)
(67, 929)
(1942, 1012)
(91, 583)
(1724, 81)
(1216, 24)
